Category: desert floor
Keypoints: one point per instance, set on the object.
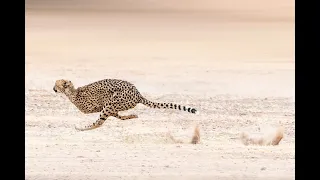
(238, 73)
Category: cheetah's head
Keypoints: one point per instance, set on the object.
(62, 85)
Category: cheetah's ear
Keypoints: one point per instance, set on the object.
(66, 84)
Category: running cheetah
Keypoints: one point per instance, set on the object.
(108, 96)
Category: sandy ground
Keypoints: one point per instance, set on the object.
(239, 74)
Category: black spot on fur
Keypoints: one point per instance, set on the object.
(193, 110)
(184, 108)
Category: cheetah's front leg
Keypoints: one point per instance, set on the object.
(131, 116)
(103, 117)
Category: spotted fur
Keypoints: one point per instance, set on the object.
(109, 96)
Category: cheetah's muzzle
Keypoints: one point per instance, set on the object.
(54, 89)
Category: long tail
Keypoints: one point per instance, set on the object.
(167, 106)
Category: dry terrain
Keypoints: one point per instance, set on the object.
(239, 73)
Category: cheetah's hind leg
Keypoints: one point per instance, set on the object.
(103, 117)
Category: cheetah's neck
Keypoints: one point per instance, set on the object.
(71, 93)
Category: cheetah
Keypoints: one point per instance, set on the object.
(109, 96)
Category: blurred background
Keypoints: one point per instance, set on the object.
(195, 36)
(241, 24)
(252, 9)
